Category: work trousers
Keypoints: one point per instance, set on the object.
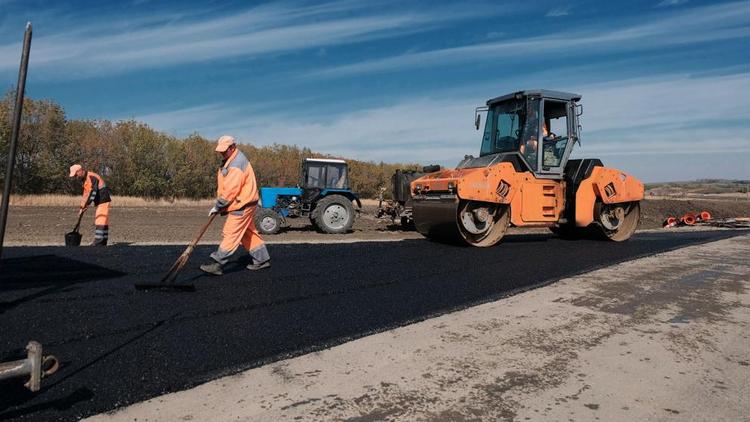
(240, 229)
(101, 222)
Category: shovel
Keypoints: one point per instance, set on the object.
(168, 281)
(74, 238)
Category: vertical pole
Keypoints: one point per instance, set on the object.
(16, 129)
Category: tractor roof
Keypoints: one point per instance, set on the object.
(326, 160)
(544, 93)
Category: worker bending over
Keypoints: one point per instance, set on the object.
(96, 192)
(237, 197)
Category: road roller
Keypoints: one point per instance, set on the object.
(523, 177)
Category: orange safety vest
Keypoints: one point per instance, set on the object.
(237, 187)
(94, 190)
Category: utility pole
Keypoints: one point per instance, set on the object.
(17, 112)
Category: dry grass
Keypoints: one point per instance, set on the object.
(369, 202)
(118, 201)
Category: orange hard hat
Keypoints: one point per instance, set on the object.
(224, 142)
(74, 169)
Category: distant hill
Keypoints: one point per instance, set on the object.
(700, 187)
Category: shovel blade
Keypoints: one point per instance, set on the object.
(165, 287)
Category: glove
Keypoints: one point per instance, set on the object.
(213, 211)
(82, 210)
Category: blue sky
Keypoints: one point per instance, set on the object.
(665, 83)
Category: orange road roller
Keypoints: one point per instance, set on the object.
(523, 177)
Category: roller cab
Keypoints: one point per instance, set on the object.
(523, 177)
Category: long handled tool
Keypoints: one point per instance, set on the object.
(74, 238)
(168, 282)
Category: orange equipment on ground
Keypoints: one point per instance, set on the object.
(688, 219)
(523, 177)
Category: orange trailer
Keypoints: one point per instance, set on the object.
(524, 177)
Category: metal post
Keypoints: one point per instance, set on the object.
(16, 129)
(34, 366)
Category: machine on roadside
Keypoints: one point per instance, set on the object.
(523, 177)
(399, 207)
(323, 194)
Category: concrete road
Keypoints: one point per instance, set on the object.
(119, 346)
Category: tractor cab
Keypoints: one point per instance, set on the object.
(322, 194)
(324, 173)
(535, 130)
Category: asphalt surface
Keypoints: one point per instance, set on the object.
(119, 346)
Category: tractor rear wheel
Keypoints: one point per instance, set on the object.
(333, 214)
(267, 221)
(617, 221)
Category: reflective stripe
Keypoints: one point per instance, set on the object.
(240, 162)
(221, 256)
(260, 254)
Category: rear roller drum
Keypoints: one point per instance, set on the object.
(617, 221)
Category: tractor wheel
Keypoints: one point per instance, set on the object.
(333, 214)
(267, 221)
(617, 221)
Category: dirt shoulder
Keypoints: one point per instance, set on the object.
(659, 338)
(178, 223)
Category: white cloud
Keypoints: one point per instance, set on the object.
(623, 121)
(698, 25)
(162, 40)
(558, 11)
(669, 3)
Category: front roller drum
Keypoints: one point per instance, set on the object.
(476, 223)
(436, 218)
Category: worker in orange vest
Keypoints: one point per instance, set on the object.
(237, 198)
(96, 192)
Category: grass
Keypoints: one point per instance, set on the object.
(118, 201)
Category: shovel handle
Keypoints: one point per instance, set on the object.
(78, 224)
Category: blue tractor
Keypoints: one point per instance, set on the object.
(323, 194)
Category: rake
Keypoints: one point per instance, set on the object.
(168, 282)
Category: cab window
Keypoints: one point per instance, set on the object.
(554, 133)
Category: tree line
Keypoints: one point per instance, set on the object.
(137, 160)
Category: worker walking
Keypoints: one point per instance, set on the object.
(237, 197)
(96, 192)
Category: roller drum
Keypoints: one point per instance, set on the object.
(437, 217)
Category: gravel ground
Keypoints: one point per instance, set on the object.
(119, 346)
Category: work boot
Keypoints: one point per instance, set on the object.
(213, 268)
(260, 266)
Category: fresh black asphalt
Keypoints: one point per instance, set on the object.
(120, 346)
